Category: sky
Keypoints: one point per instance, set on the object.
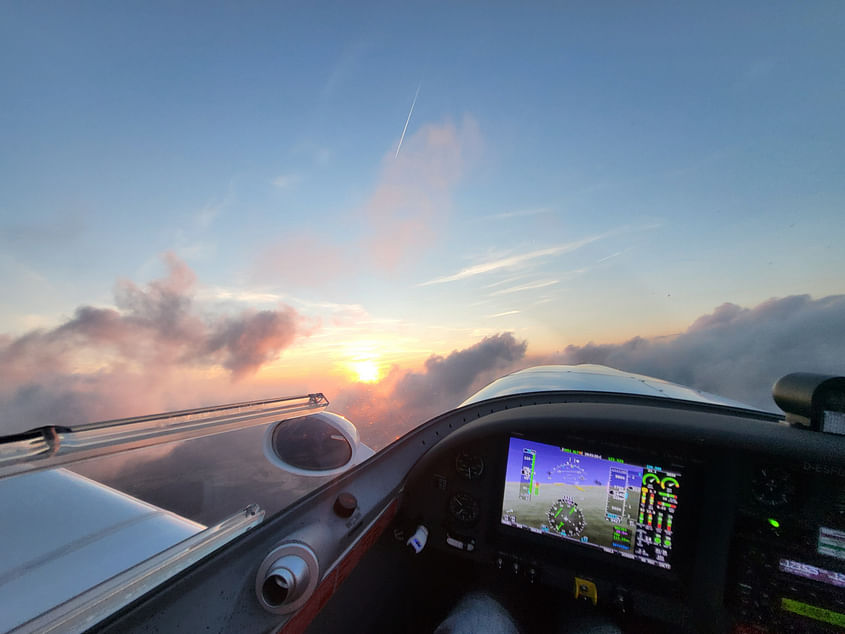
(395, 203)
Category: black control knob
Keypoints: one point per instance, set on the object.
(345, 505)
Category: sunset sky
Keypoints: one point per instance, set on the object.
(200, 202)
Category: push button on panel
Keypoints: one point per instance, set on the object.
(585, 589)
(345, 505)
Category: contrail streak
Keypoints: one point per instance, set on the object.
(408, 120)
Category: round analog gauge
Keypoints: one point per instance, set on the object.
(469, 467)
(772, 486)
(464, 508)
(565, 518)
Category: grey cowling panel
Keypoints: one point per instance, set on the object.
(218, 595)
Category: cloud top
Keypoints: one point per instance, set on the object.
(407, 398)
(155, 325)
(151, 334)
(734, 351)
(132, 359)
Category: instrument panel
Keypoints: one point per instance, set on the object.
(788, 550)
(593, 500)
(705, 528)
(756, 535)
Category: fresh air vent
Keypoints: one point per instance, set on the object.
(287, 578)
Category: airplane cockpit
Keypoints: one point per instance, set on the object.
(654, 514)
(570, 495)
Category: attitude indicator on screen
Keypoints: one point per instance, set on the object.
(597, 501)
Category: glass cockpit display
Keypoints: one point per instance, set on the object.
(598, 501)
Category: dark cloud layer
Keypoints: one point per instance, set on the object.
(447, 380)
(406, 398)
(143, 346)
(103, 360)
(734, 351)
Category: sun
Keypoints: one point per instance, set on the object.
(367, 371)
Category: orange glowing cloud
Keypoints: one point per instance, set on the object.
(403, 215)
(413, 196)
(152, 340)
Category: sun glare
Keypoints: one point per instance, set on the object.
(367, 371)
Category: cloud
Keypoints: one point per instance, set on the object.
(520, 259)
(250, 296)
(303, 259)
(609, 257)
(507, 280)
(46, 234)
(734, 351)
(406, 397)
(286, 181)
(155, 351)
(252, 339)
(530, 286)
(207, 215)
(404, 214)
(317, 154)
(445, 380)
(514, 260)
(346, 67)
(412, 198)
(76, 370)
(520, 213)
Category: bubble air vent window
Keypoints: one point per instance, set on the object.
(319, 445)
(311, 443)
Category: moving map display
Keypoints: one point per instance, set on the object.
(597, 501)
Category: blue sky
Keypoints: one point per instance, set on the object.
(575, 173)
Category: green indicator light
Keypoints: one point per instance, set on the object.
(813, 612)
(774, 522)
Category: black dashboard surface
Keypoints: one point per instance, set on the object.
(753, 492)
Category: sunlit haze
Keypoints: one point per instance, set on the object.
(395, 204)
